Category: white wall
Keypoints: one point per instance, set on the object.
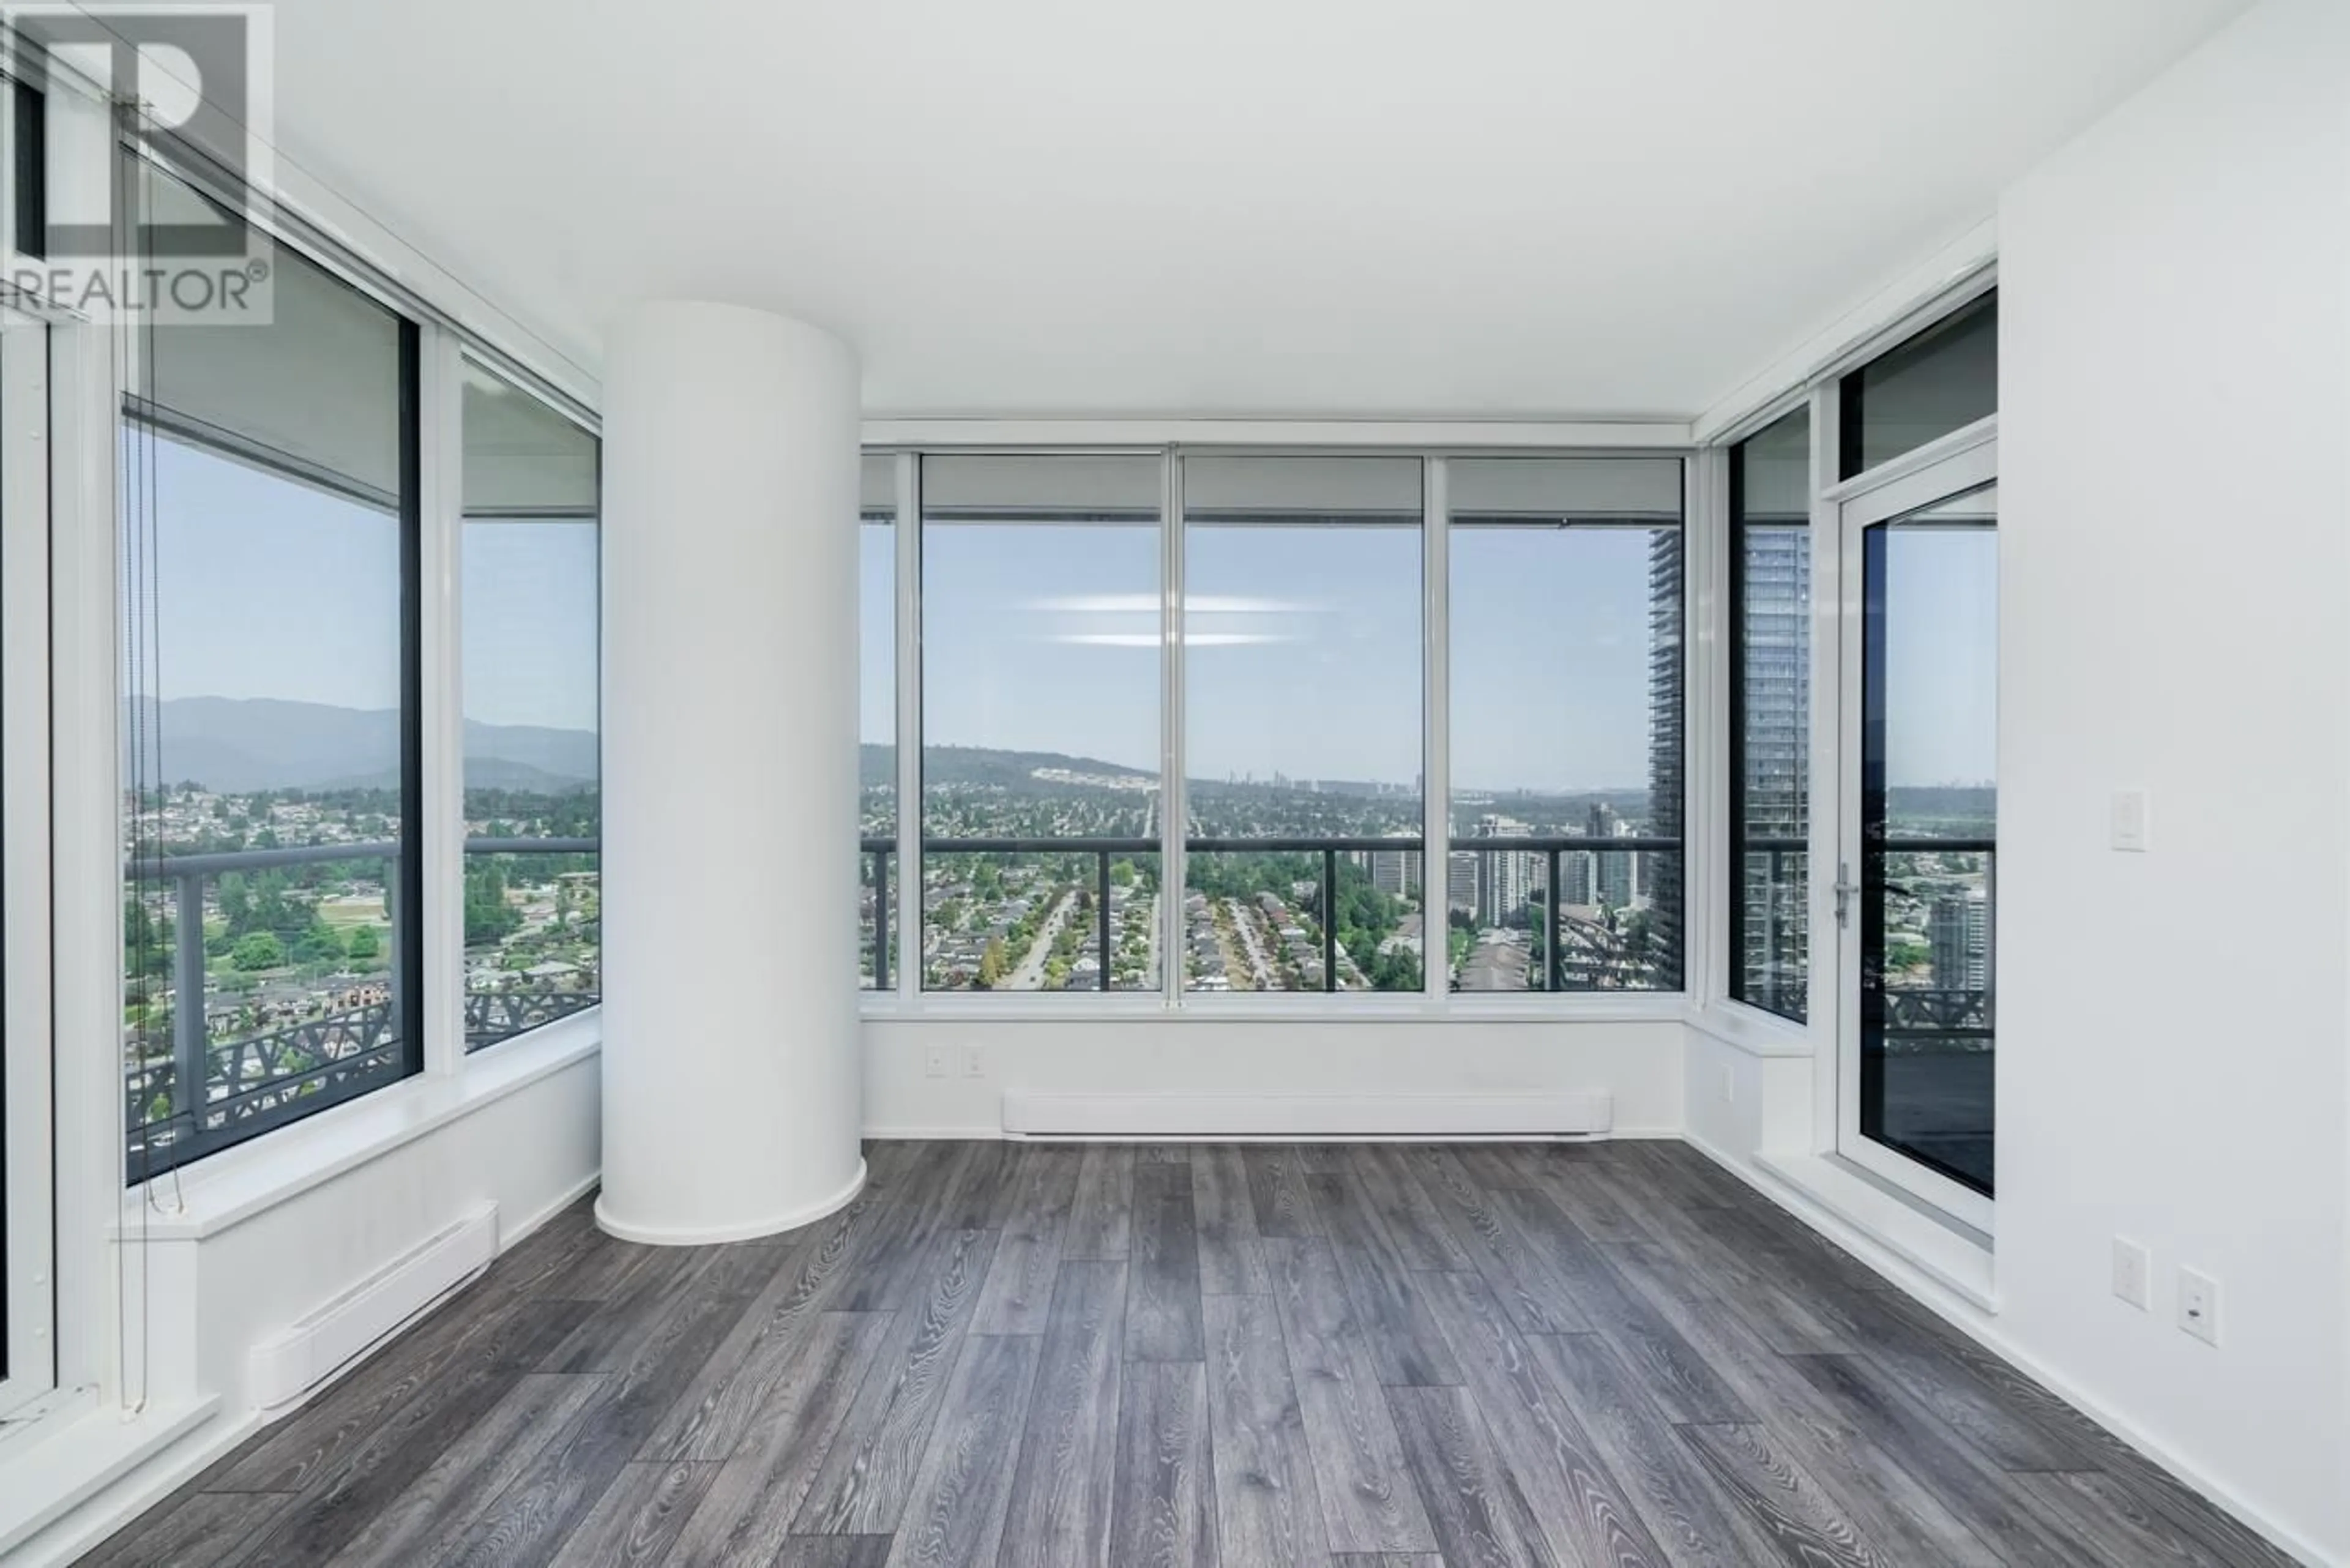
(1638, 1063)
(2175, 612)
(211, 1299)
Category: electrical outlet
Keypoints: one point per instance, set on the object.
(975, 1062)
(2199, 1305)
(935, 1061)
(1729, 1084)
(2133, 1274)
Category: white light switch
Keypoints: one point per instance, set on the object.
(2133, 821)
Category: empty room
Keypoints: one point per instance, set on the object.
(1503, 785)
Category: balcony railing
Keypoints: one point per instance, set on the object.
(1937, 1018)
(1592, 949)
(540, 998)
(196, 1094)
(1771, 907)
(1572, 952)
(1103, 853)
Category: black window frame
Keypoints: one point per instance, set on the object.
(186, 1145)
(1852, 386)
(1735, 745)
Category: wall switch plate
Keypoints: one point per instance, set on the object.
(934, 1062)
(2199, 1305)
(1729, 1084)
(2133, 1274)
(975, 1062)
(2133, 821)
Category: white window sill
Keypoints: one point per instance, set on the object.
(1750, 1030)
(1311, 1007)
(1955, 1258)
(47, 1473)
(230, 1187)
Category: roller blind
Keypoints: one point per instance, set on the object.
(521, 458)
(314, 393)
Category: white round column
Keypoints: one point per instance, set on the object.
(732, 1090)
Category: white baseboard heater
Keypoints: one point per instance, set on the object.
(312, 1349)
(1535, 1114)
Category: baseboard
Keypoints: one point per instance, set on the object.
(193, 1445)
(509, 1239)
(1969, 1319)
(623, 1229)
(1501, 1114)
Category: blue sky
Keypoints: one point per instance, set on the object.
(265, 587)
(1305, 656)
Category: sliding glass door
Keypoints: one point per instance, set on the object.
(28, 1297)
(1917, 886)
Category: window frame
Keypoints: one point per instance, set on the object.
(1734, 737)
(1435, 1001)
(466, 358)
(1948, 1216)
(412, 999)
(915, 841)
(89, 925)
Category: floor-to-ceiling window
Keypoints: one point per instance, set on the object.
(534, 898)
(271, 761)
(1769, 734)
(1564, 594)
(1269, 664)
(1041, 643)
(1303, 691)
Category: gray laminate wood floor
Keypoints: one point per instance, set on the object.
(1360, 1356)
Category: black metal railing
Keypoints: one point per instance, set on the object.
(1104, 853)
(1580, 948)
(1582, 952)
(200, 1089)
(515, 1007)
(1331, 961)
(877, 853)
(1938, 1017)
(1772, 925)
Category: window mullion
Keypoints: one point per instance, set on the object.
(1436, 707)
(440, 814)
(1173, 811)
(907, 540)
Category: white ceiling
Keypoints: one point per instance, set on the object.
(1285, 207)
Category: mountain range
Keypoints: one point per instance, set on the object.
(237, 744)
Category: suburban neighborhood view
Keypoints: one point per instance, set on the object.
(298, 946)
(1254, 917)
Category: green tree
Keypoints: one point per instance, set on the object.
(489, 918)
(363, 944)
(990, 964)
(258, 950)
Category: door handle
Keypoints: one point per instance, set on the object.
(1844, 888)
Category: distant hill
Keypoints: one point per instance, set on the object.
(984, 766)
(237, 744)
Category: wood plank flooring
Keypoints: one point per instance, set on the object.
(1024, 1356)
